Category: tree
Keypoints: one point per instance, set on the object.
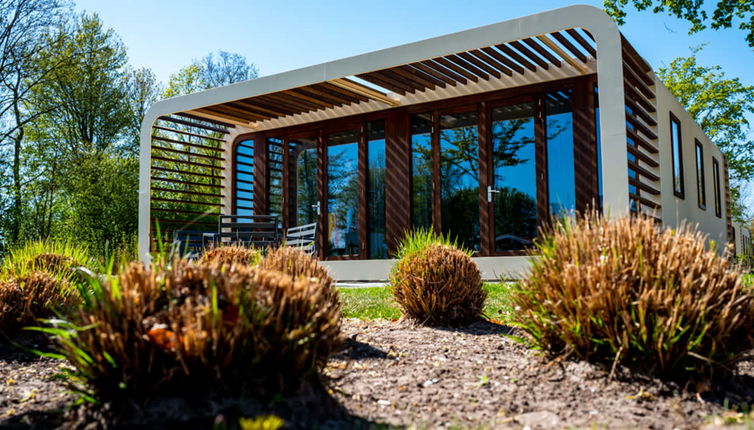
(693, 11)
(26, 24)
(720, 105)
(210, 72)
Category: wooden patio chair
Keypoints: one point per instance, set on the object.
(259, 231)
(304, 237)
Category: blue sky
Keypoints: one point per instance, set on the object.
(281, 35)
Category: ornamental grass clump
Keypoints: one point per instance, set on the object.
(233, 254)
(628, 291)
(38, 280)
(30, 296)
(197, 330)
(436, 283)
(296, 263)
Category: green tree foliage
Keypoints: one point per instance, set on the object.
(724, 15)
(211, 71)
(720, 105)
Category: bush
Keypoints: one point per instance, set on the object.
(229, 255)
(435, 283)
(296, 263)
(200, 328)
(58, 258)
(37, 281)
(30, 296)
(627, 290)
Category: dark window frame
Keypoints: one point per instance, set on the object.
(701, 188)
(678, 191)
(716, 187)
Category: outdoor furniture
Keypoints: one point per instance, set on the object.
(189, 242)
(303, 236)
(259, 231)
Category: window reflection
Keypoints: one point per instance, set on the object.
(245, 178)
(421, 170)
(275, 174)
(459, 178)
(376, 189)
(560, 167)
(305, 200)
(342, 193)
(514, 177)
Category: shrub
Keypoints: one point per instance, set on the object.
(627, 290)
(30, 296)
(52, 256)
(234, 254)
(296, 263)
(436, 283)
(235, 330)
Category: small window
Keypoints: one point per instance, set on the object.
(701, 194)
(675, 141)
(716, 185)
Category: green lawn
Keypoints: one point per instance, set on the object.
(376, 302)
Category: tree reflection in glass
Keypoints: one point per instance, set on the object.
(515, 177)
(560, 168)
(343, 193)
(304, 151)
(421, 170)
(459, 178)
(376, 189)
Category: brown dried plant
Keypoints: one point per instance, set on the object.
(30, 296)
(627, 290)
(436, 283)
(296, 263)
(233, 254)
(233, 330)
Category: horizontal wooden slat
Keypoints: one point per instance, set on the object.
(193, 124)
(199, 118)
(187, 192)
(644, 186)
(187, 211)
(180, 181)
(643, 157)
(172, 130)
(640, 112)
(189, 202)
(644, 201)
(190, 154)
(186, 172)
(640, 126)
(192, 145)
(181, 162)
(641, 142)
(643, 172)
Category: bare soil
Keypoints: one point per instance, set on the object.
(393, 373)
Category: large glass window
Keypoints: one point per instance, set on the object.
(701, 193)
(560, 167)
(275, 172)
(514, 181)
(343, 193)
(244, 161)
(305, 200)
(421, 170)
(377, 247)
(459, 177)
(675, 140)
(716, 186)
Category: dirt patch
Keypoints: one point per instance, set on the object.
(399, 374)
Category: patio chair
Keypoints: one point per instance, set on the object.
(303, 236)
(259, 231)
(190, 243)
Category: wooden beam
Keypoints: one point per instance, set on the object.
(492, 52)
(529, 54)
(518, 57)
(583, 42)
(569, 46)
(227, 118)
(550, 44)
(364, 91)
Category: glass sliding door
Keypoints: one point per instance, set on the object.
(343, 194)
(421, 170)
(375, 140)
(459, 177)
(244, 177)
(304, 201)
(514, 177)
(561, 181)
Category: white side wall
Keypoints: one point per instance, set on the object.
(674, 209)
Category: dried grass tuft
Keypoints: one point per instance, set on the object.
(229, 255)
(231, 330)
(31, 296)
(296, 263)
(625, 290)
(437, 284)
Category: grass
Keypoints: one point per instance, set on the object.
(749, 279)
(377, 302)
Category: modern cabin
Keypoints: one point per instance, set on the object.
(484, 134)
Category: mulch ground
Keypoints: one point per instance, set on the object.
(398, 374)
